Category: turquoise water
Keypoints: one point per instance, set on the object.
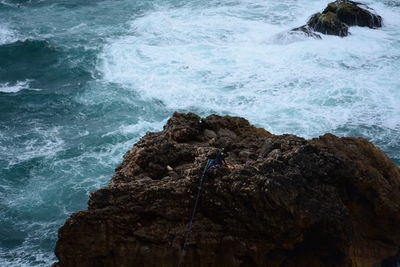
(81, 81)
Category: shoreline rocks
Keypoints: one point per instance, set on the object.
(281, 201)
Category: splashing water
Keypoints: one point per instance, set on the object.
(105, 72)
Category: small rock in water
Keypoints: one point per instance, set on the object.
(337, 17)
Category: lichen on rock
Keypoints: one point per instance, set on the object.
(281, 201)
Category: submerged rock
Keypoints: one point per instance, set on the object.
(281, 201)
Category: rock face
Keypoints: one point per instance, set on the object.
(354, 14)
(339, 15)
(328, 23)
(281, 201)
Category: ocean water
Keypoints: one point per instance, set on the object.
(82, 80)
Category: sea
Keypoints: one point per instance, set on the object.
(82, 80)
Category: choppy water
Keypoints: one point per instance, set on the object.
(81, 81)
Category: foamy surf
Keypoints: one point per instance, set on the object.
(7, 35)
(14, 88)
(111, 72)
(220, 61)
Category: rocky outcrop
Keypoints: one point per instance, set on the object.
(339, 15)
(280, 201)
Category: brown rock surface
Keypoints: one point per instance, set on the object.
(283, 201)
(354, 14)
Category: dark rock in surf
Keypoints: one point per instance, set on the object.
(339, 15)
(281, 201)
(328, 23)
(354, 14)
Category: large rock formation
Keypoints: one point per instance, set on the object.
(281, 201)
(338, 16)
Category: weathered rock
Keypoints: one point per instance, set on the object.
(282, 201)
(354, 14)
(338, 15)
(328, 23)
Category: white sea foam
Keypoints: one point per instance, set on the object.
(7, 35)
(137, 129)
(226, 60)
(22, 256)
(14, 88)
(41, 142)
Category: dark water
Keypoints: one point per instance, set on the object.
(81, 81)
